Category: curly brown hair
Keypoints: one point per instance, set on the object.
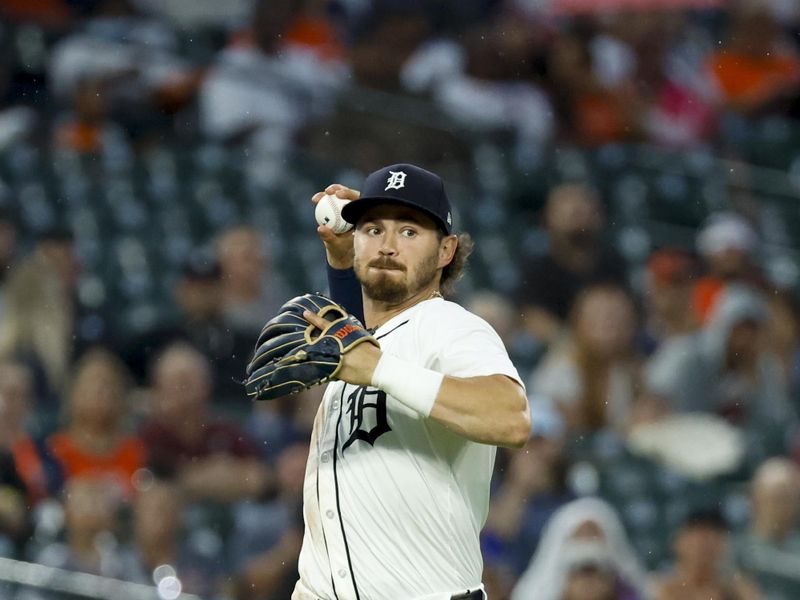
(455, 269)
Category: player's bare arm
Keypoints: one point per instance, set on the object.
(491, 409)
(461, 404)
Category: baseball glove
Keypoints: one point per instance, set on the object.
(292, 355)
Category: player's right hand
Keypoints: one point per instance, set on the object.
(338, 247)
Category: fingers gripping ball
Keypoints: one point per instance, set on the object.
(329, 213)
(292, 355)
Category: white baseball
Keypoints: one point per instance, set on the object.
(329, 213)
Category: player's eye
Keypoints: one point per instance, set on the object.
(373, 230)
(407, 232)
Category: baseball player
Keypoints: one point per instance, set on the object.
(403, 447)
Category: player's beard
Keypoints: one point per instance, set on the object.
(382, 286)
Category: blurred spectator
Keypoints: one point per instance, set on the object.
(14, 510)
(674, 372)
(8, 251)
(33, 461)
(592, 75)
(496, 310)
(393, 31)
(198, 297)
(54, 14)
(266, 537)
(199, 15)
(267, 85)
(727, 244)
(160, 543)
(769, 551)
(119, 68)
(87, 128)
(758, 68)
(623, 79)
(783, 336)
(590, 570)
(575, 258)
(488, 83)
(700, 569)
(533, 487)
(316, 29)
(252, 290)
(747, 382)
(91, 529)
(584, 545)
(39, 319)
(669, 280)
(276, 425)
(678, 102)
(211, 458)
(593, 374)
(57, 247)
(96, 442)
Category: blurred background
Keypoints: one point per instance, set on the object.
(630, 170)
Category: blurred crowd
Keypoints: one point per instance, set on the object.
(271, 75)
(138, 456)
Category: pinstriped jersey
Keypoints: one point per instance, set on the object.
(394, 502)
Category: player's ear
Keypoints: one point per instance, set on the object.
(447, 250)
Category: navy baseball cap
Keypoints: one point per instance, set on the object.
(404, 184)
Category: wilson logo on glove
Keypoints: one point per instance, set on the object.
(344, 331)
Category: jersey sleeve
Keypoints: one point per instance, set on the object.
(345, 289)
(470, 348)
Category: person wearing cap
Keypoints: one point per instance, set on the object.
(403, 448)
(727, 244)
(198, 320)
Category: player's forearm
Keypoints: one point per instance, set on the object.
(489, 410)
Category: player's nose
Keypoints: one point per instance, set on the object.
(388, 247)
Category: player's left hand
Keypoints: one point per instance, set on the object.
(307, 343)
(356, 366)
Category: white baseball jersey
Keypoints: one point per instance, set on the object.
(394, 502)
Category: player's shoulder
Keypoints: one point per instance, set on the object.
(439, 313)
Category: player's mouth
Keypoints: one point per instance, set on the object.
(386, 265)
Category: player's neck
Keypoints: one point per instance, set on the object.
(377, 313)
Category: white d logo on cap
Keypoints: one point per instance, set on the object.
(396, 180)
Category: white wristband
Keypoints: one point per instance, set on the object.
(414, 386)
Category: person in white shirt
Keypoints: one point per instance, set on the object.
(403, 447)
